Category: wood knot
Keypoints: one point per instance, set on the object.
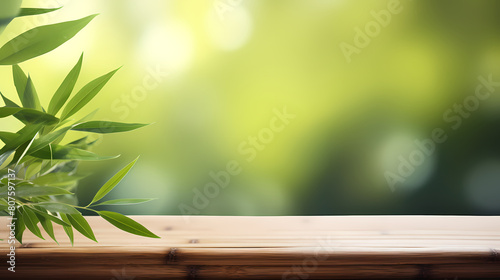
(172, 255)
(494, 255)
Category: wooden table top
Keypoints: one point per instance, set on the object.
(290, 247)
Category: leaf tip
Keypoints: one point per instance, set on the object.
(116, 70)
(92, 16)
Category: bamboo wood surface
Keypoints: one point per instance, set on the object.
(305, 247)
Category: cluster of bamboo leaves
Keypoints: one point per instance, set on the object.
(45, 165)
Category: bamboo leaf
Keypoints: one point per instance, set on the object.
(84, 119)
(25, 134)
(32, 169)
(125, 201)
(107, 127)
(79, 141)
(20, 116)
(17, 182)
(35, 11)
(31, 221)
(47, 226)
(58, 207)
(81, 225)
(126, 224)
(8, 136)
(68, 229)
(50, 217)
(8, 102)
(20, 226)
(56, 179)
(58, 152)
(111, 183)
(5, 155)
(31, 191)
(29, 115)
(45, 140)
(21, 151)
(8, 111)
(84, 95)
(40, 40)
(64, 91)
(20, 81)
(30, 97)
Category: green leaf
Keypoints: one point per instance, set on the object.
(40, 40)
(17, 182)
(50, 217)
(20, 226)
(111, 183)
(67, 229)
(47, 226)
(107, 127)
(30, 97)
(68, 198)
(58, 207)
(45, 140)
(8, 111)
(63, 166)
(8, 136)
(8, 102)
(31, 221)
(79, 141)
(29, 115)
(61, 123)
(92, 143)
(32, 169)
(25, 134)
(59, 152)
(80, 224)
(30, 191)
(21, 151)
(64, 91)
(56, 179)
(86, 94)
(84, 119)
(126, 224)
(20, 81)
(35, 11)
(5, 155)
(125, 201)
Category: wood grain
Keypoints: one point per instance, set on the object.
(305, 247)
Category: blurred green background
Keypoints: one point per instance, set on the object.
(209, 75)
